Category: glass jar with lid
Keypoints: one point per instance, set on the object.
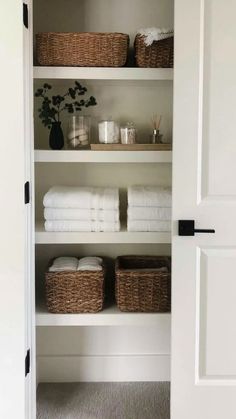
(128, 133)
(108, 132)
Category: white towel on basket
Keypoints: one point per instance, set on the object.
(142, 225)
(90, 264)
(155, 34)
(82, 226)
(149, 213)
(81, 214)
(64, 263)
(82, 197)
(149, 196)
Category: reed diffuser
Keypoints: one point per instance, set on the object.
(156, 122)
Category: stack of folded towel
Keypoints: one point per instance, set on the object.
(149, 208)
(73, 264)
(69, 208)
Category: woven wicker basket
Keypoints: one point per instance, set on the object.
(85, 49)
(159, 54)
(75, 292)
(144, 290)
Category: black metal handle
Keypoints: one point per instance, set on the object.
(187, 228)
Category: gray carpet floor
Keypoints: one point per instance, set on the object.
(103, 401)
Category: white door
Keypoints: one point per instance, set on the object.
(15, 323)
(204, 190)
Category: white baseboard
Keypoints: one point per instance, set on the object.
(104, 368)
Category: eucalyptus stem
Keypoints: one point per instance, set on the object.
(51, 107)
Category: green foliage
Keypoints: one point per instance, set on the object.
(52, 106)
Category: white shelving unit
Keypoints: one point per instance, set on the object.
(110, 316)
(88, 156)
(126, 94)
(103, 73)
(121, 237)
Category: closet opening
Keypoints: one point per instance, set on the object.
(102, 347)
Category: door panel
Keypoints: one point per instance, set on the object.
(219, 98)
(204, 189)
(217, 307)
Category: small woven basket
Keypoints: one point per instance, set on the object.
(141, 288)
(85, 49)
(158, 55)
(75, 292)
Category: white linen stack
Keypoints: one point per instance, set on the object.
(70, 208)
(149, 208)
(67, 263)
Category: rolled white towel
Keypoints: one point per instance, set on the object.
(90, 259)
(64, 263)
(82, 197)
(149, 213)
(81, 214)
(90, 264)
(82, 226)
(149, 196)
(149, 225)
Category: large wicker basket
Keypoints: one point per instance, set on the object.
(75, 292)
(140, 286)
(159, 54)
(84, 49)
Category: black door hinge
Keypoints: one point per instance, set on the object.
(25, 15)
(27, 192)
(27, 363)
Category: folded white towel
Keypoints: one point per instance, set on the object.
(81, 214)
(81, 226)
(149, 225)
(64, 263)
(82, 197)
(90, 259)
(149, 196)
(90, 264)
(149, 213)
(155, 34)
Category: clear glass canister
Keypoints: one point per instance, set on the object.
(108, 132)
(128, 133)
(78, 133)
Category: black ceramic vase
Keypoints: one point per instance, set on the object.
(56, 137)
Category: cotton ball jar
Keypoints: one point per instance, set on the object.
(109, 132)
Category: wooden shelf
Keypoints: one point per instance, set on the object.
(121, 237)
(103, 73)
(88, 156)
(110, 316)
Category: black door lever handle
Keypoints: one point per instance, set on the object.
(187, 228)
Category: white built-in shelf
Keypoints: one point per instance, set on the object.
(110, 316)
(121, 237)
(103, 73)
(88, 156)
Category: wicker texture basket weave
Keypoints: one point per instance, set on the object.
(158, 55)
(82, 49)
(146, 290)
(75, 292)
